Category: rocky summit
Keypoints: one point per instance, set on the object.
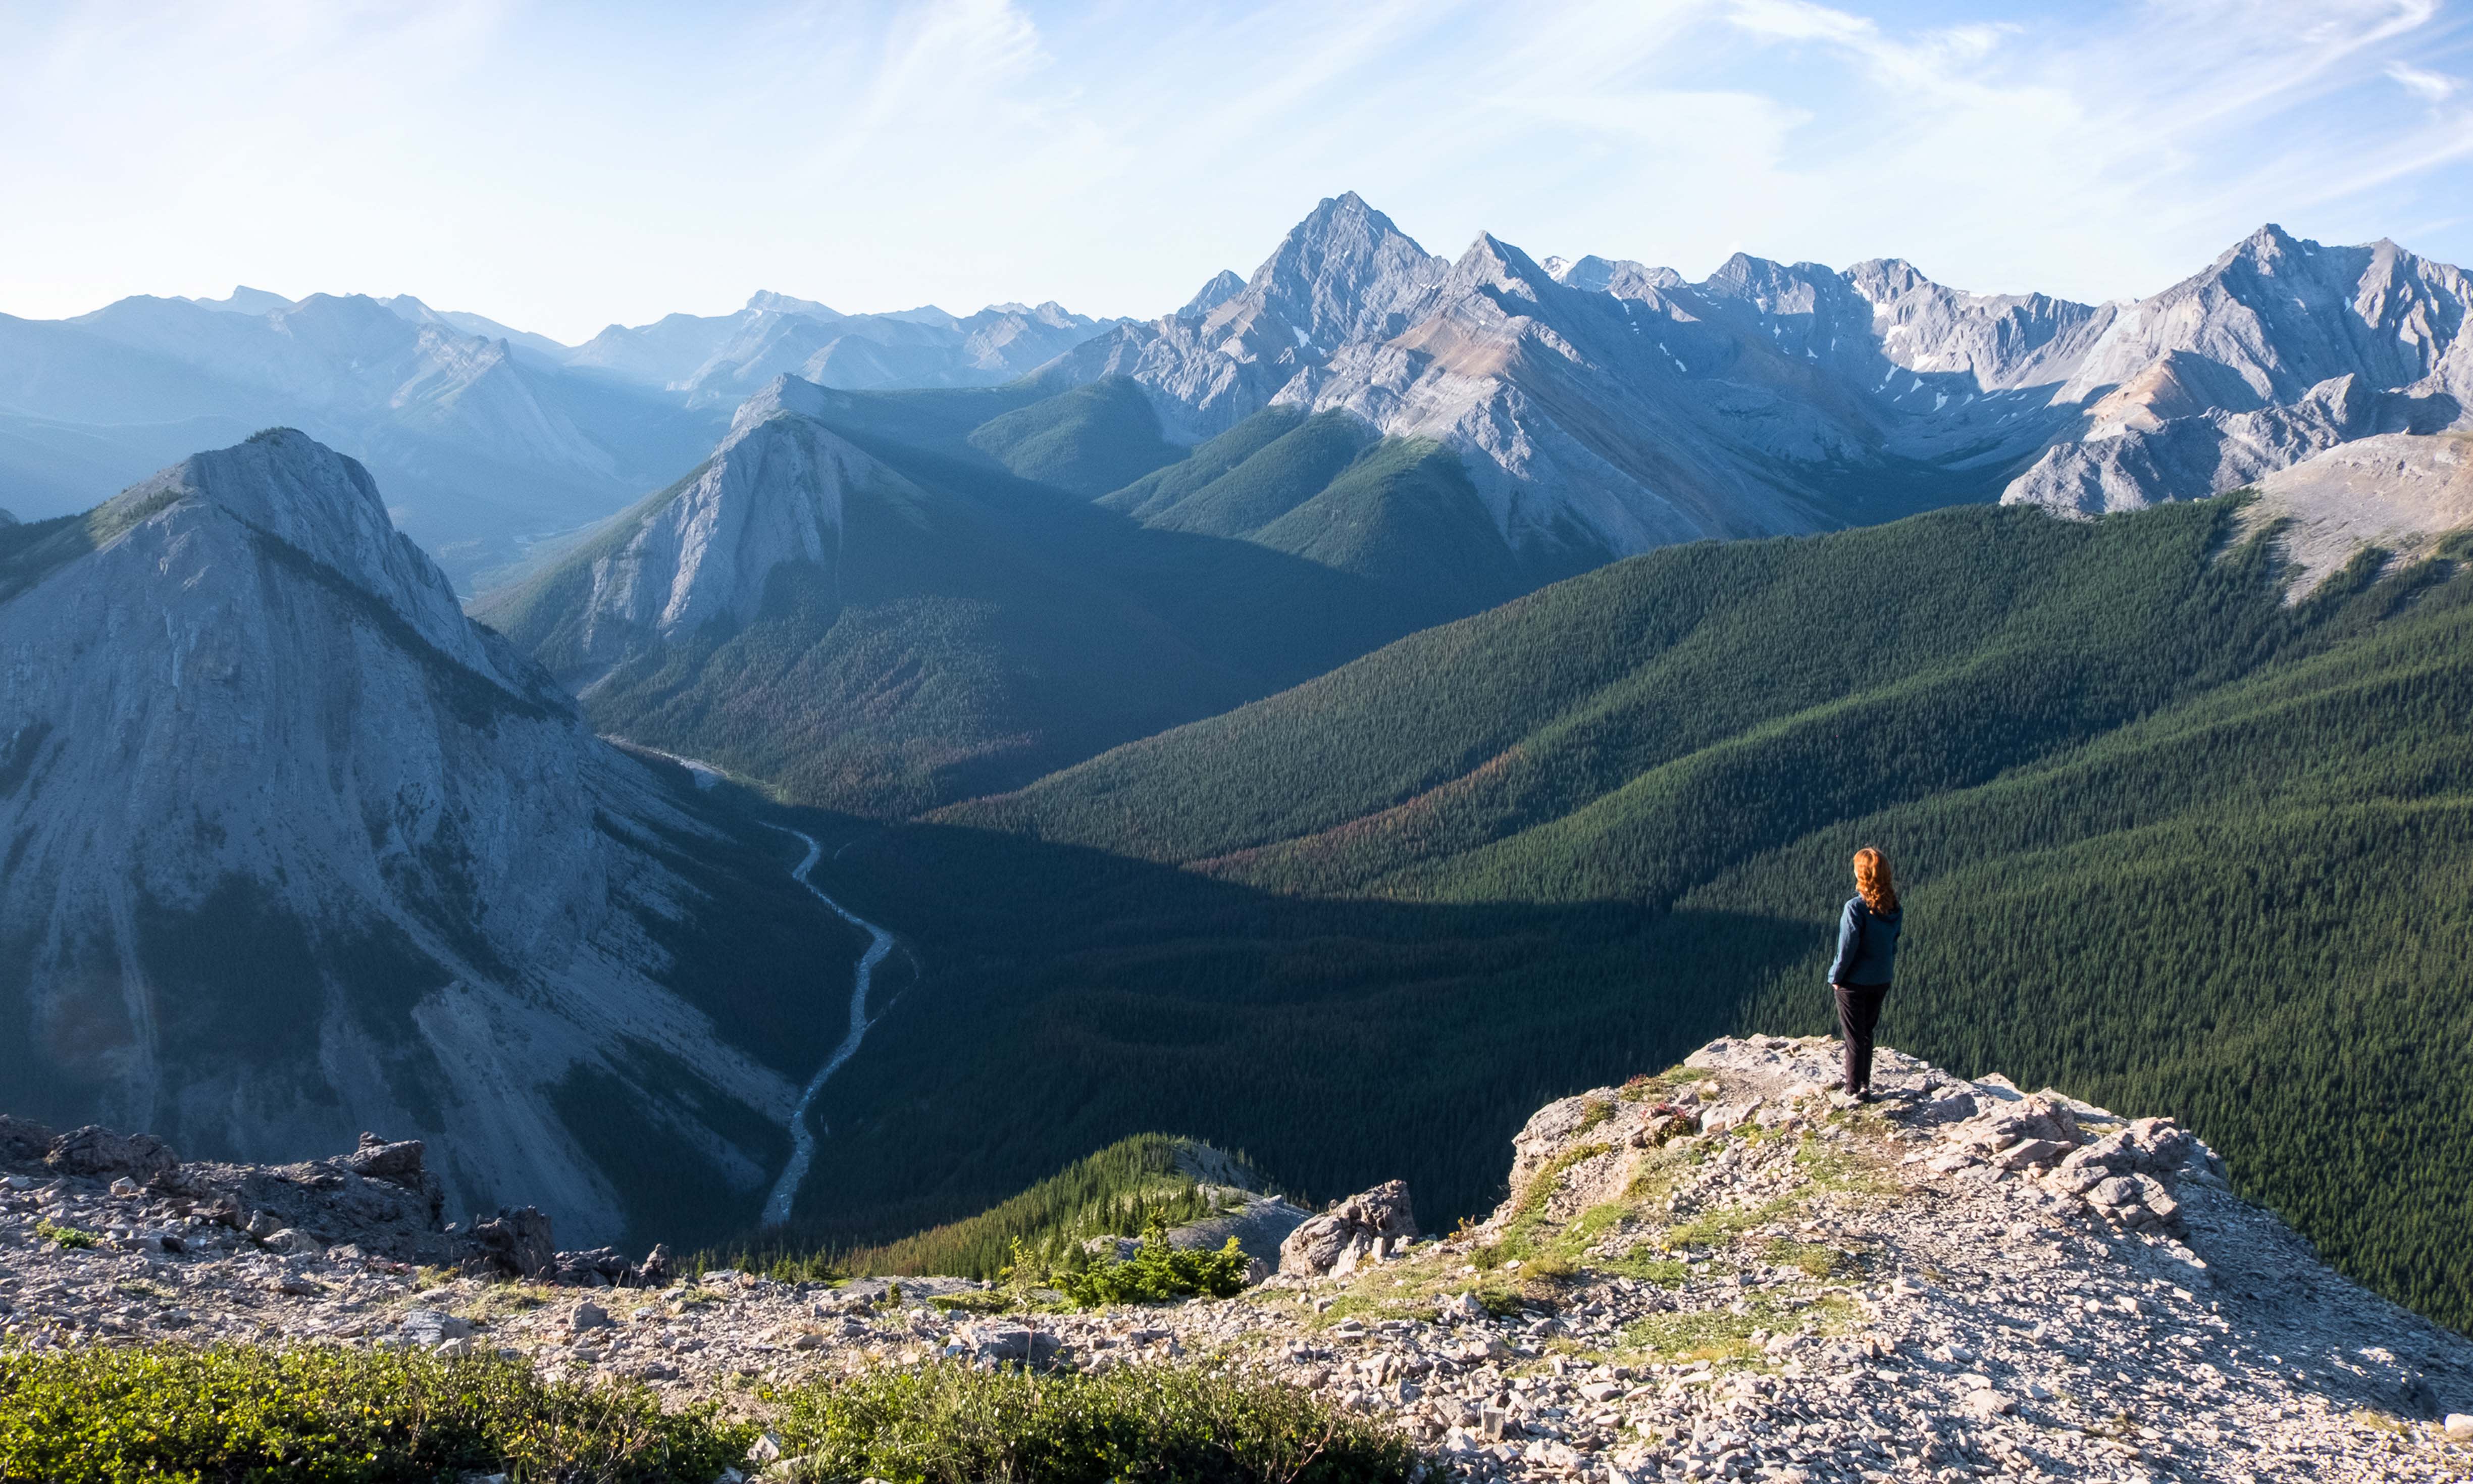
(1724, 1271)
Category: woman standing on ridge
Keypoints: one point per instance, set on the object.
(1867, 951)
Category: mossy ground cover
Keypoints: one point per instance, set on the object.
(332, 1416)
(948, 1423)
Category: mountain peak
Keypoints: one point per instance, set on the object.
(1492, 261)
(321, 504)
(771, 495)
(1224, 285)
(2269, 245)
(1344, 273)
(1621, 278)
(766, 301)
(243, 299)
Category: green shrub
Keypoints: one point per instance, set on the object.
(334, 1417)
(946, 1423)
(1158, 1271)
(66, 1236)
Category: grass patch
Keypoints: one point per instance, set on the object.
(335, 1416)
(1542, 1187)
(66, 1237)
(1722, 1336)
(1842, 1168)
(1812, 1258)
(500, 1301)
(1658, 1086)
(1716, 1228)
(1202, 1423)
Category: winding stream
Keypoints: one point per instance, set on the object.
(802, 1140)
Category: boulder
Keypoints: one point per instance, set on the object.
(22, 1141)
(1016, 1344)
(376, 1159)
(516, 1242)
(429, 1327)
(1372, 1223)
(95, 1151)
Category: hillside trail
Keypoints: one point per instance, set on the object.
(802, 1138)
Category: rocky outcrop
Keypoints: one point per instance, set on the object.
(98, 1152)
(2398, 493)
(1718, 1272)
(1372, 1226)
(379, 1203)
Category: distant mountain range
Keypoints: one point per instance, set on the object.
(721, 359)
(1601, 408)
(1412, 439)
(1575, 411)
(487, 439)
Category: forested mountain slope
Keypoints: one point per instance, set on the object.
(2169, 838)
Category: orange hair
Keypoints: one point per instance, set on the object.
(1872, 880)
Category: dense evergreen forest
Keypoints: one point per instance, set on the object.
(1117, 1191)
(2171, 842)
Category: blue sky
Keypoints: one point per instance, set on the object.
(564, 166)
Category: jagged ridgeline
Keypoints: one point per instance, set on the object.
(2171, 840)
(294, 849)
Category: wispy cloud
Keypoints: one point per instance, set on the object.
(562, 168)
(2430, 86)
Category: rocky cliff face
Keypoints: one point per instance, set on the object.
(769, 497)
(295, 850)
(2280, 350)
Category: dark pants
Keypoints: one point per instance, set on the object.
(1859, 1011)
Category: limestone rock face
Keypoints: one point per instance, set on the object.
(770, 496)
(299, 849)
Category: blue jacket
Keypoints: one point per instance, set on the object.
(1867, 946)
